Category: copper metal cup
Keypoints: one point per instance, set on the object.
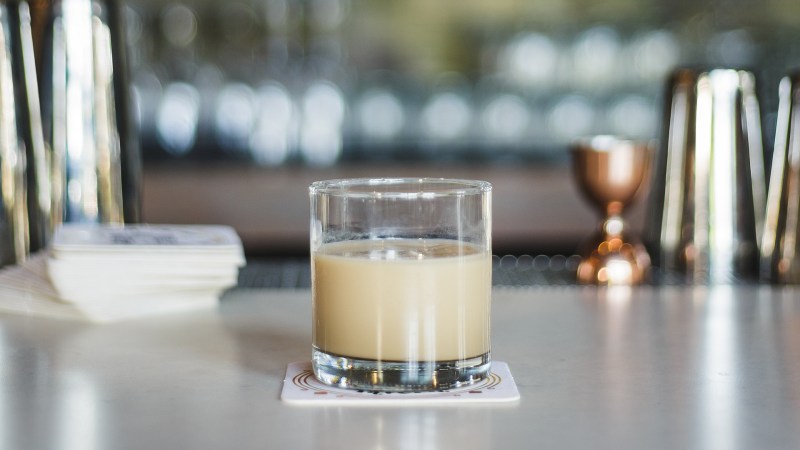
(610, 172)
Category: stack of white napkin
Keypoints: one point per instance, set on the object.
(104, 273)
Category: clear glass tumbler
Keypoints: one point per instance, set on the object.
(401, 282)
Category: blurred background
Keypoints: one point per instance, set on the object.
(242, 103)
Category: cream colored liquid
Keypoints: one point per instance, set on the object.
(402, 300)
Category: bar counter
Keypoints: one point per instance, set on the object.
(648, 367)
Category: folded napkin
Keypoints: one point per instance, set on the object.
(105, 273)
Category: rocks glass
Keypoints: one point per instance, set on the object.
(401, 282)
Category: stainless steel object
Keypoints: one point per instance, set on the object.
(39, 201)
(610, 172)
(780, 250)
(95, 164)
(24, 204)
(708, 193)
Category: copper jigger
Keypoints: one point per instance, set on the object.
(609, 172)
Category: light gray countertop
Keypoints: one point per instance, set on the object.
(669, 367)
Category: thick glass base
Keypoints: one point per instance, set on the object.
(398, 376)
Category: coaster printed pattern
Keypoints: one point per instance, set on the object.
(301, 387)
(112, 237)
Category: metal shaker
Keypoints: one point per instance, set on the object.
(24, 207)
(708, 197)
(37, 173)
(85, 103)
(780, 250)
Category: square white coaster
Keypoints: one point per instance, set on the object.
(301, 387)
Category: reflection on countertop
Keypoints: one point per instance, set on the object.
(666, 367)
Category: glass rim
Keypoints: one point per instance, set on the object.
(404, 187)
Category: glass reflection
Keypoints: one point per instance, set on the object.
(5, 397)
(381, 115)
(321, 131)
(785, 324)
(595, 56)
(719, 393)
(571, 117)
(272, 138)
(404, 428)
(238, 23)
(79, 414)
(446, 117)
(179, 25)
(505, 119)
(530, 60)
(328, 15)
(633, 116)
(655, 53)
(177, 118)
(733, 48)
(234, 117)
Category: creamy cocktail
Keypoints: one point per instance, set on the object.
(401, 281)
(402, 299)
